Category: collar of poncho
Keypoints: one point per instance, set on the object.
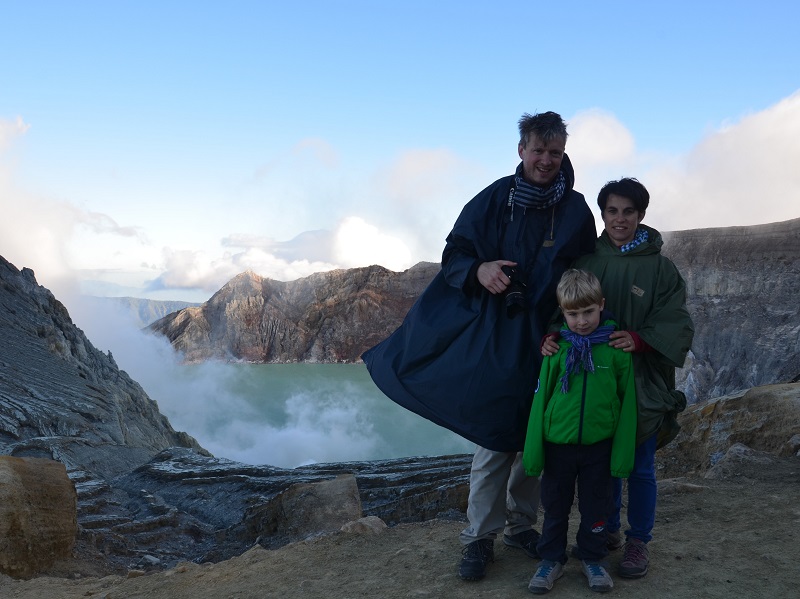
(579, 354)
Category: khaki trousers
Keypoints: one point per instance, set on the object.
(502, 498)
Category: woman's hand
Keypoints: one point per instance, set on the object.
(492, 277)
(622, 340)
(549, 345)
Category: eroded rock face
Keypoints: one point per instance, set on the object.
(186, 506)
(63, 399)
(742, 285)
(765, 419)
(327, 317)
(38, 515)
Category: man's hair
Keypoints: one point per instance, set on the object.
(578, 289)
(627, 188)
(546, 126)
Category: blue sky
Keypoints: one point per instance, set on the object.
(157, 149)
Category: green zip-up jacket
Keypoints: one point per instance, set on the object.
(598, 405)
(647, 295)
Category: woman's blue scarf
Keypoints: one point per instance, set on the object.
(579, 355)
(638, 239)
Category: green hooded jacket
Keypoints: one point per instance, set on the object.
(647, 295)
(597, 406)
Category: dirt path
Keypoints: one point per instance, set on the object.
(714, 538)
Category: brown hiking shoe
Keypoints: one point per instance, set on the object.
(635, 559)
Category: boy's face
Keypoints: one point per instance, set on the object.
(584, 320)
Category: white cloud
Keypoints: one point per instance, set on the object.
(10, 130)
(745, 173)
(419, 195)
(359, 243)
(597, 139)
(195, 269)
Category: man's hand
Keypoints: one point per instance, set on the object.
(492, 277)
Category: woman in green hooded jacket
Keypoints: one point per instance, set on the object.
(647, 296)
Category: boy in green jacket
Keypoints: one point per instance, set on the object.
(582, 427)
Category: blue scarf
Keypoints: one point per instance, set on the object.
(638, 239)
(579, 355)
(532, 196)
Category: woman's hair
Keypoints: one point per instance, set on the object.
(547, 126)
(578, 289)
(627, 188)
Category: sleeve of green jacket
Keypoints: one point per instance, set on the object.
(533, 453)
(624, 445)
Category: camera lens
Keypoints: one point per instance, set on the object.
(515, 294)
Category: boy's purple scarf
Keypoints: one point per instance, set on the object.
(579, 354)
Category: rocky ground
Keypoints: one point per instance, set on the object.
(730, 533)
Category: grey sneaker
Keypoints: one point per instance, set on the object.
(635, 560)
(525, 540)
(545, 577)
(598, 577)
(476, 556)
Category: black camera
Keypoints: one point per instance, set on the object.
(515, 293)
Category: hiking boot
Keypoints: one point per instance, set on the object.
(598, 577)
(635, 560)
(475, 557)
(545, 577)
(525, 540)
(614, 541)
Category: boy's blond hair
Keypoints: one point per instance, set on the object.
(578, 289)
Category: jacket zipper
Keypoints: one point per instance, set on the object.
(583, 407)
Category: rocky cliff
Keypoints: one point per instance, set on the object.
(742, 287)
(62, 398)
(327, 317)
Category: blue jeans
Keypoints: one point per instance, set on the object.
(642, 491)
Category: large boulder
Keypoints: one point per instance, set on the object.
(38, 515)
(765, 419)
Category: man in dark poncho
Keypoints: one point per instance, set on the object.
(467, 354)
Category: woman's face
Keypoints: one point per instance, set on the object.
(621, 219)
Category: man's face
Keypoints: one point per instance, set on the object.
(541, 161)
